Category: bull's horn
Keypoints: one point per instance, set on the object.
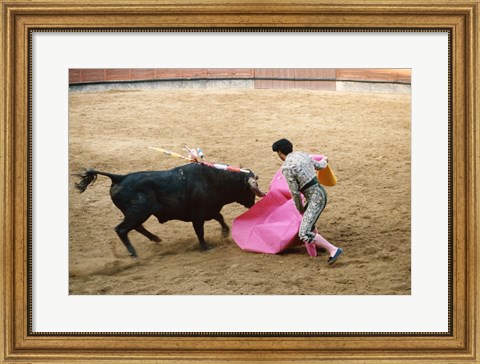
(254, 187)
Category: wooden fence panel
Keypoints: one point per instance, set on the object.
(378, 75)
(74, 76)
(118, 74)
(281, 78)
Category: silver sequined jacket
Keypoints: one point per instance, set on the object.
(299, 169)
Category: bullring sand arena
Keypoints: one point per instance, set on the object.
(366, 136)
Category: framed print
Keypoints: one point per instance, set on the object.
(108, 92)
(192, 104)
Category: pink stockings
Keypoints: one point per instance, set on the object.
(321, 242)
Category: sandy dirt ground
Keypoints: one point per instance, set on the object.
(365, 135)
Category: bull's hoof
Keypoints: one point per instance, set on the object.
(133, 255)
(156, 239)
(225, 233)
(205, 248)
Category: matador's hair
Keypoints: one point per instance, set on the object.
(283, 145)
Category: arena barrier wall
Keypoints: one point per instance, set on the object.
(359, 80)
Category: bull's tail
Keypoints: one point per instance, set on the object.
(89, 176)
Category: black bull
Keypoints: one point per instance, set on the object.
(192, 192)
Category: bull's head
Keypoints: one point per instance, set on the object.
(250, 189)
(252, 181)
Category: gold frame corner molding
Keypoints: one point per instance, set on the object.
(20, 19)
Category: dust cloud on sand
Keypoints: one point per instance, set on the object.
(365, 135)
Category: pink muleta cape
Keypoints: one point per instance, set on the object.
(272, 224)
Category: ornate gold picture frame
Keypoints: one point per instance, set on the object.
(20, 344)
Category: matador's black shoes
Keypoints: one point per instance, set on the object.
(333, 259)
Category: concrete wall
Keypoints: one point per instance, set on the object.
(373, 87)
(155, 84)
